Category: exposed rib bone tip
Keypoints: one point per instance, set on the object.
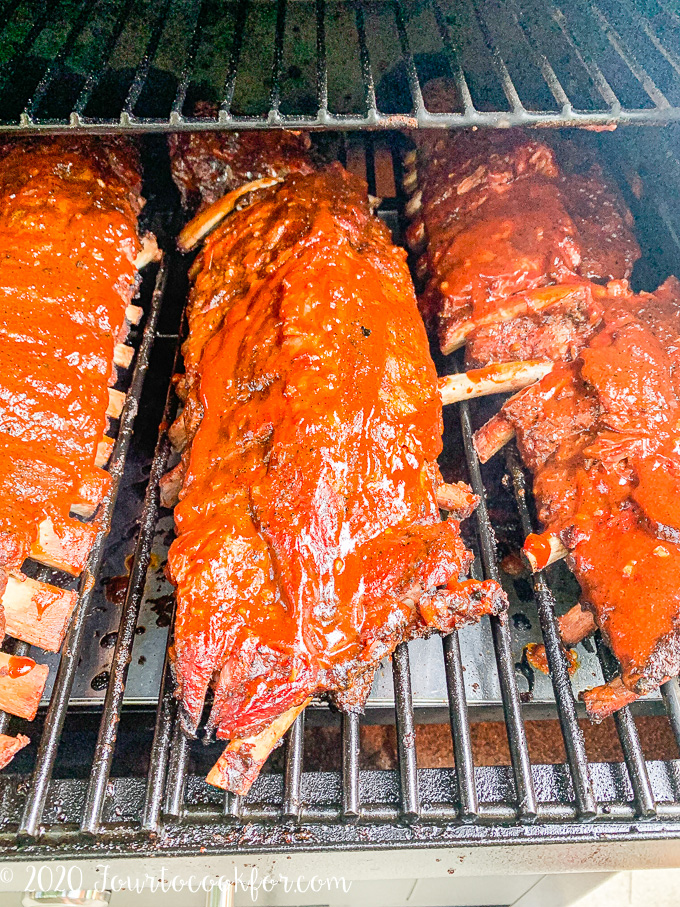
(207, 220)
(543, 550)
(501, 378)
(240, 763)
(414, 204)
(123, 355)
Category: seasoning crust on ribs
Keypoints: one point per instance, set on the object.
(208, 165)
(602, 437)
(309, 540)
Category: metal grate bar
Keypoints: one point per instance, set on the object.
(671, 697)
(540, 60)
(177, 772)
(406, 734)
(557, 662)
(230, 81)
(453, 60)
(94, 77)
(160, 752)
(460, 729)
(628, 58)
(275, 94)
(351, 807)
(22, 51)
(68, 665)
(194, 17)
(232, 807)
(519, 752)
(366, 69)
(188, 68)
(670, 56)
(113, 703)
(369, 152)
(630, 742)
(498, 62)
(293, 769)
(321, 61)
(52, 70)
(411, 71)
(142, 71)
(585, 59)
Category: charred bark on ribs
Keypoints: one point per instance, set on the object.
(499, 215)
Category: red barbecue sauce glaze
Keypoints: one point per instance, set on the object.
(17, 666)
(68, 241)
(539, 548)
(602, 436)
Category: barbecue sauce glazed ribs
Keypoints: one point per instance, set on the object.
(309, 541)
(498, 216)
(602, 437)
(68, 234)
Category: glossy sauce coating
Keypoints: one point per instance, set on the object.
(309, 538)
(68, 241)
(602, 435)
(18, 666)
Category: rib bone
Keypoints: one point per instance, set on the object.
(149, 252)
(499, 378)
(104, 451)
(207, 220)
(22, 682)
(240, 763)
(64, 545)
(456, 499)
(10, 746)
(543, 550)
(123, 355)
(531, 301)
(601, 702)
(37, 613)
(116, 403)
(493, 436)
(134, 313)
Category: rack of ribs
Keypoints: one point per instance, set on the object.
(514, 236)
(601, 435)
(309, 536)
(526, 249)
(70, 259)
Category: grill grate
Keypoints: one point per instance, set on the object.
(137, 66)
(169, 808)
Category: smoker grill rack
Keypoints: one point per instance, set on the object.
(135, 65)
(173, 810)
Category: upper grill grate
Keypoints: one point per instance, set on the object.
(134, 65)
